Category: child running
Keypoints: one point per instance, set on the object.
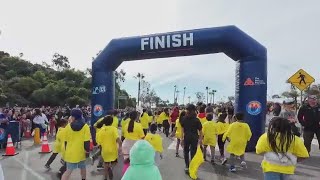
(281, 149)
(238, 134)
(144, 119)
(178, 132)
(156, 141)
(222, 127)
(58, 144)
(159, 120)
(209, 130)
(108, 138)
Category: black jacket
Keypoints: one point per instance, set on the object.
(309, 117)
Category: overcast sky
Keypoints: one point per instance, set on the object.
(77, 29)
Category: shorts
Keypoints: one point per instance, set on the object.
(73, 166)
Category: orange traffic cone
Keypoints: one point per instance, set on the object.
(10, 150)
(27, 133)
(45, 146)
(91, 144)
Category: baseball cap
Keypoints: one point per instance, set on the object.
(76, 113)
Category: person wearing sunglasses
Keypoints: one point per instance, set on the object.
(309, 118)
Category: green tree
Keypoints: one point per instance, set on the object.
(60, 61)
(40, 77)
(75, 100)
(10, 74)
(25, 86)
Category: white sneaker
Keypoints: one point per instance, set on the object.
(243, 164)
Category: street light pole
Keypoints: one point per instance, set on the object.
(213, 92)
(207, 88)
(184, 93)
(174, 94)
(140, 76)
(177, 96)
(189, 99)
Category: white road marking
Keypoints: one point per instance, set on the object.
(24, 171)
(25, 166)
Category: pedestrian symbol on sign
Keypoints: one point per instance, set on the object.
(301, 80)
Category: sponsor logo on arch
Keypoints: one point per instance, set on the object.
(254, 108)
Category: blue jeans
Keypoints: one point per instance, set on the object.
(276, 176)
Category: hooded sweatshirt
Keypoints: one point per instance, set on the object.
(142, 163)
(77, 141)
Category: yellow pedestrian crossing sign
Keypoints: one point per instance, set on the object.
(301, 80)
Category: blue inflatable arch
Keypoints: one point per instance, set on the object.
(250, 56)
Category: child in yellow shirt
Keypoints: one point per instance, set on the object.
(221, 128)
(209, 130)
(281, 149)
(107, 139)
(156, 141)
(58, 144)
(238, 135)
(178, 132)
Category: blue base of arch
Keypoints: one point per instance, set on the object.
(250, 56)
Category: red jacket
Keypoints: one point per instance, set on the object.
(174, 115)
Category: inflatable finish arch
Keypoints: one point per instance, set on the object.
(250, 56)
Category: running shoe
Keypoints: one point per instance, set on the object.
(232, 169)
(47, 166)
(177, 155)
(212, 162)
(224, 161)
(100, 167)
(186, 170)
(243, 164)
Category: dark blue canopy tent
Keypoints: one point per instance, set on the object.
(250, 56)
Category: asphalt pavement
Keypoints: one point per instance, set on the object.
(29, 165)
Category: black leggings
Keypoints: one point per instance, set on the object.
(166, 127)
(51, 159)
(221, 144)
(172, 127)
(190, 146)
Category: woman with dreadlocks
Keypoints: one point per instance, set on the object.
(282, 150)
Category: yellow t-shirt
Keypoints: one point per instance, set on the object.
(156, 141)
(107, 139)
(156, 118)
(222, 127)
(239, 134)
(202, 120)
(137, 133)
(162, 117)
(209, 130)
(297, 148)
(178, 129)
(115, 122)
(145, 121)
(59, 142)
(75, 151)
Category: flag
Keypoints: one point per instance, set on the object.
(195, 163)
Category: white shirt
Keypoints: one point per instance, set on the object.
(40, 119)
